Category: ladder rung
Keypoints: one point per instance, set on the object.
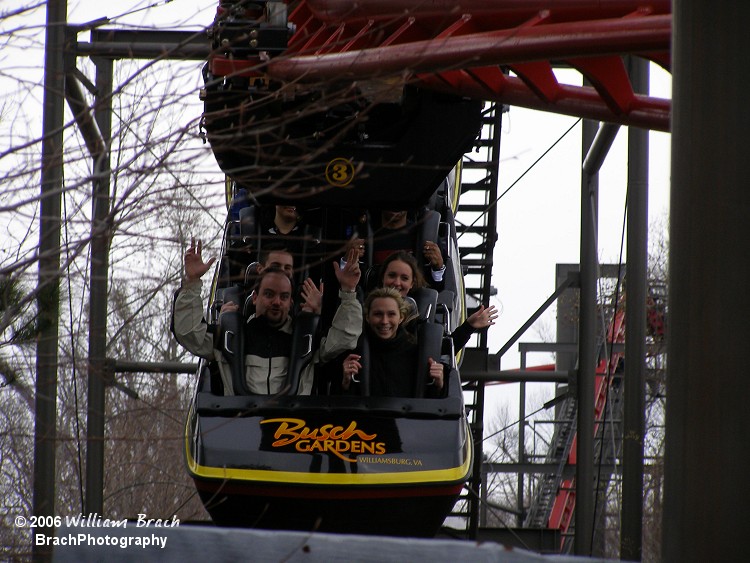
(482, 142)
(469, 262)
(470, 165)
(472, 229)
(471, 208)
(484, 184)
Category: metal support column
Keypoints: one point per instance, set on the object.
(48, 284)
(584, 517)
(706, 485)
(635, 329)
(521, 446)
(587, 345)
(100, 239)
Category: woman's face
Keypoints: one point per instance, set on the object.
(384, 317)
(399, 276)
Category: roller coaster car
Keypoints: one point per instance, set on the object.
(367, 465)
(335, 463)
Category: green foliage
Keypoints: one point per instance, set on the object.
(18, 320)
(17, 323)
(48, 303)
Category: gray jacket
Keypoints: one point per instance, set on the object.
(264, 375)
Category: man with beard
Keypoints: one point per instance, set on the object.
(268, 332)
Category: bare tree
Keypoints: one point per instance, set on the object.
(164, 188)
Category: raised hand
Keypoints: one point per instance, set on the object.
(483, 317)
(433, 255)
(195, 267)
(349, 275)
(312, 297)
(359, 245)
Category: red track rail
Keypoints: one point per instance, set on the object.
(562, 511)
(467, 48)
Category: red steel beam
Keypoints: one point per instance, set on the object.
(511, 11)
(577, 101)
(543, 42)
(591, 46)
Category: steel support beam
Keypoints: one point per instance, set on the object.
(521, 516)
(514, 376)
(145, 44)
(605, 136)
(125, 366)
(706, 485)
(537, 468)
(48, 283)
(584, 511)
(101, 232)
(82, 114)
(635, 330)
(566, 325)
(562, 347)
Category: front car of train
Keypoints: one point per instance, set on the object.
(339, 153)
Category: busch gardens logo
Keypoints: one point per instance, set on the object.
(337, 440)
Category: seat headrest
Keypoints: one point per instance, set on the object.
(251, 273)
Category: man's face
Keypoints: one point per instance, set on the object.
(384, 317)
(281, 260)
(273, 299)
